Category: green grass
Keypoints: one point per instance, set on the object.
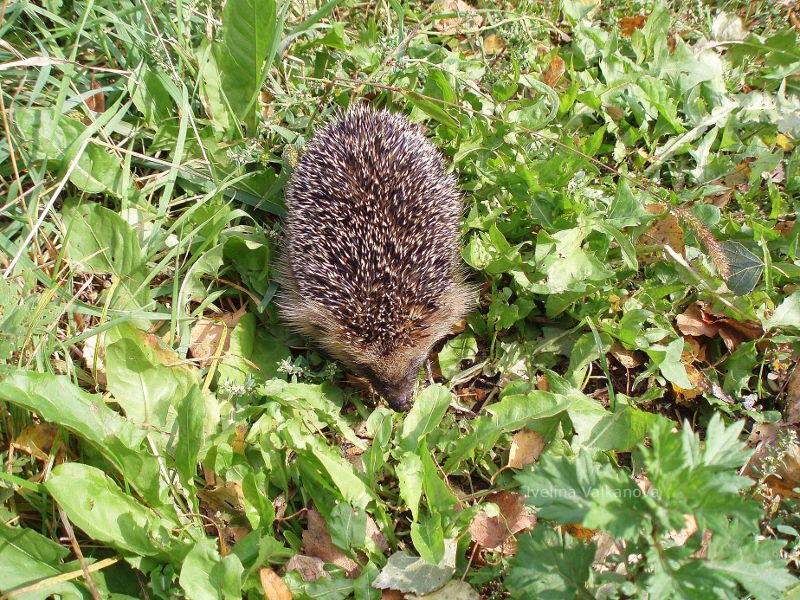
(632, 194)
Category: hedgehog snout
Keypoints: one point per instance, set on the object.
(394, 386)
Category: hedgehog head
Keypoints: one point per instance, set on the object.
(387, 352)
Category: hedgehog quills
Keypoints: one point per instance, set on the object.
(370, 267)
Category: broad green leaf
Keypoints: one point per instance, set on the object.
(740, 368)
(191, 415)
(253, 352)
(745, 268)
(410, 476)
(102, 242)
(575, 10)
(52, 135)
(148, 390)
(428, 410)
(324, 401)
(252, 30)
(428, 537)
(787, 314)
(407, 573)
(513, 412)
(205, 575)
(341, 473)
(462, 347)
(669, 362)
(57, 400)
(27, 557)
(348, 527)
(599, 429)
(105, 513)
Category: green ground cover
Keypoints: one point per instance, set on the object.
(616, 419)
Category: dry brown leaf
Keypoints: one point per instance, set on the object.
(96, 102)
(784, 227)
(792, 410)
(310, 568)
(630, 359)
(555, 71)
(543, 383)
(467, 18)
(615, 113)
(689, 529)
(227, 498)
(784, 143)
(36, 440)
(376, 536)
(273, 586)
(664, 231)
(493, 44)
(627, 25)
(579, 532)
(497, 532)
(720, 200)
(392, 595)
(95, 365)
(525, 448)
(206, 335)
(766, 437)
(697, 381)
(699, 321)
(317, 542)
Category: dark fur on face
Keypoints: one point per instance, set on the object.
(370, 268)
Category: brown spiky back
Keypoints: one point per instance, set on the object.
(372, 233)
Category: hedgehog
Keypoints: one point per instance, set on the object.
(370, 267)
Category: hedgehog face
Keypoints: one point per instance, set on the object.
(394, 377)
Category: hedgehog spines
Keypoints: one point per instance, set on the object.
(371, 267)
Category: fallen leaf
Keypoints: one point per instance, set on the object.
(784, 142)
(207, 334)
(579, 532)
(36, 440)
(771, 440)
(407, 573)
(792, 409)
(226, 498)
(93, 357)
(96, 102)
(392, 595)
(310, 568)
(497, 533)
(493, 44)
(777, 175)
(727, 28)
(454, 590)
(630, 359)
(466, 18)
(699, 321)
(273, 586)
(696, 379)
(554, 71)
(376, 536)
(525, 448)
(784, 227)
(721, 199)
(664, 231)
(317, 542)
(627, 25)
(696, 322)
(689, 529)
